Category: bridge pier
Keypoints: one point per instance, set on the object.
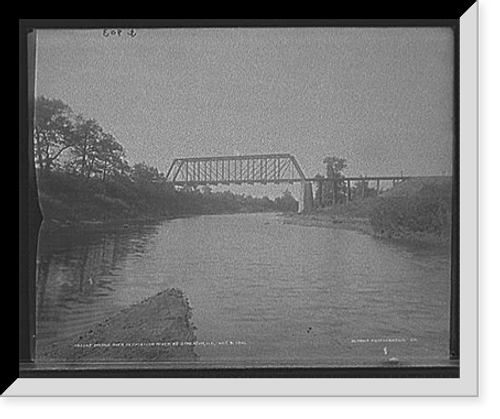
(306, 198)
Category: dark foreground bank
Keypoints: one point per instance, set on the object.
(158, 329)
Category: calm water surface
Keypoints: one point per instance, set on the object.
(281, 293)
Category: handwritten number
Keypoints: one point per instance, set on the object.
(118, 32)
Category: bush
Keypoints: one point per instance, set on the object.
(428, 211)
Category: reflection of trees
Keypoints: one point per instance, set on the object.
(76, 268)
(43, 268)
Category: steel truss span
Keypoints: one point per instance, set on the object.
(264, 168)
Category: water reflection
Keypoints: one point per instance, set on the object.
(290, 293)
(78, 274)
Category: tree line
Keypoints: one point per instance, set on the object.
(68, 142)
(83, 173)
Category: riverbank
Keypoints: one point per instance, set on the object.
(158, 329)
(416, 210)
(325, 220)
(361, 225)
(64, 198)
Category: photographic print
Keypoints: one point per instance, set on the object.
(245, 197)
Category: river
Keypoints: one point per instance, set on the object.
(261, 292)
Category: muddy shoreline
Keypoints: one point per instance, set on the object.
(359, 224)
(157, 329)
(327, 221)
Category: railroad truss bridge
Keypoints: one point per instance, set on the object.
(252, 169)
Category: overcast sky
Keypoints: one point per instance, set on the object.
(379, 97)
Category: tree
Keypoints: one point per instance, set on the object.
(333, 191)
(206, 190)
(143, 173)
(87, 134)
(335, 167)
(54, 124)
(286, 202)
(109, 156)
